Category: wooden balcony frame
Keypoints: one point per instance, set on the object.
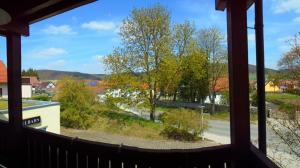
(39, 149)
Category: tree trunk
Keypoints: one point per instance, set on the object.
(152, 111)
(175, 96)
(212, 101)
(213, 107)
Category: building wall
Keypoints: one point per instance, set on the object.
(4, 90)
(269, 87)
(50, 117)
(26, 91)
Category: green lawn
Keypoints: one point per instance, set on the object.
(225, 116)
(280, 98)
(127, 124)
(4, 105)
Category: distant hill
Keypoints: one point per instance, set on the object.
(55, 75)
(252, 71)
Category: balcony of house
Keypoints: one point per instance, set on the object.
(22, 145)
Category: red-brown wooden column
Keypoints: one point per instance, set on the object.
(14, 99)
(260, 74)
(239, 81)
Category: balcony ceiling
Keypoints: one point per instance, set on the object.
(221, 4)
(26, 12)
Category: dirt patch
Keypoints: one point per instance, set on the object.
(100, 136)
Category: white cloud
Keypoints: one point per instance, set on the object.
(297, 19)
(98, 58)
(281, 6)
(49, 52)
(284, 39)
(58, 30)
(101, 25)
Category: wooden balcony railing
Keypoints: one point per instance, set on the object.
(47, 150)
(50, 150)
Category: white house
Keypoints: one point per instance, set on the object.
(26, 87)
(42, 115)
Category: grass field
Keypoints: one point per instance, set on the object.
(279, 98)
(225, 116)
(127, 124)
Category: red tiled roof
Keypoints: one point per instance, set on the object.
(3, 73)
(222, 84)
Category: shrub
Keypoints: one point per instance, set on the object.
(42, 98)
(183, 124)
(293, 91)
(77, 102)
(75, 118)
(253, 99)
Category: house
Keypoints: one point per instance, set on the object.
(47, 86)
(288, 84)
(26, 86)
(271, 87)
(32, 80)
(91, 83)
(42, 115)
(222, 85)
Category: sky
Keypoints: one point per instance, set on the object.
(79, 39)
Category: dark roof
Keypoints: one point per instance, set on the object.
(26, 12)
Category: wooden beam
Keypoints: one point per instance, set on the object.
(14, 99)
(260, 73)
(239, 80)
(55, 9)
(16, 27)
(221, 5)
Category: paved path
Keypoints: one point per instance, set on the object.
(134, 141)
(219, 131)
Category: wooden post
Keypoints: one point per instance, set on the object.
(239, 81)
(260, 73)
(14, 99)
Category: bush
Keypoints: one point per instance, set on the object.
(74, 118)
(77, 103)
(253, 99)
(182, 124)
(293, 91)
(42, 98)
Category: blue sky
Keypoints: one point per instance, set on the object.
(77, 40)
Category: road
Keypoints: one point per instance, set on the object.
(219, 131)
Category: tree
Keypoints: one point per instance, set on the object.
(194, 84)
(146, 41)
(182, 38)
(274, 78)
(290, 61)
(30, 72)
(76, 103)
(210, 40)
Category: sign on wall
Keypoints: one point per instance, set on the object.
(31, 121)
